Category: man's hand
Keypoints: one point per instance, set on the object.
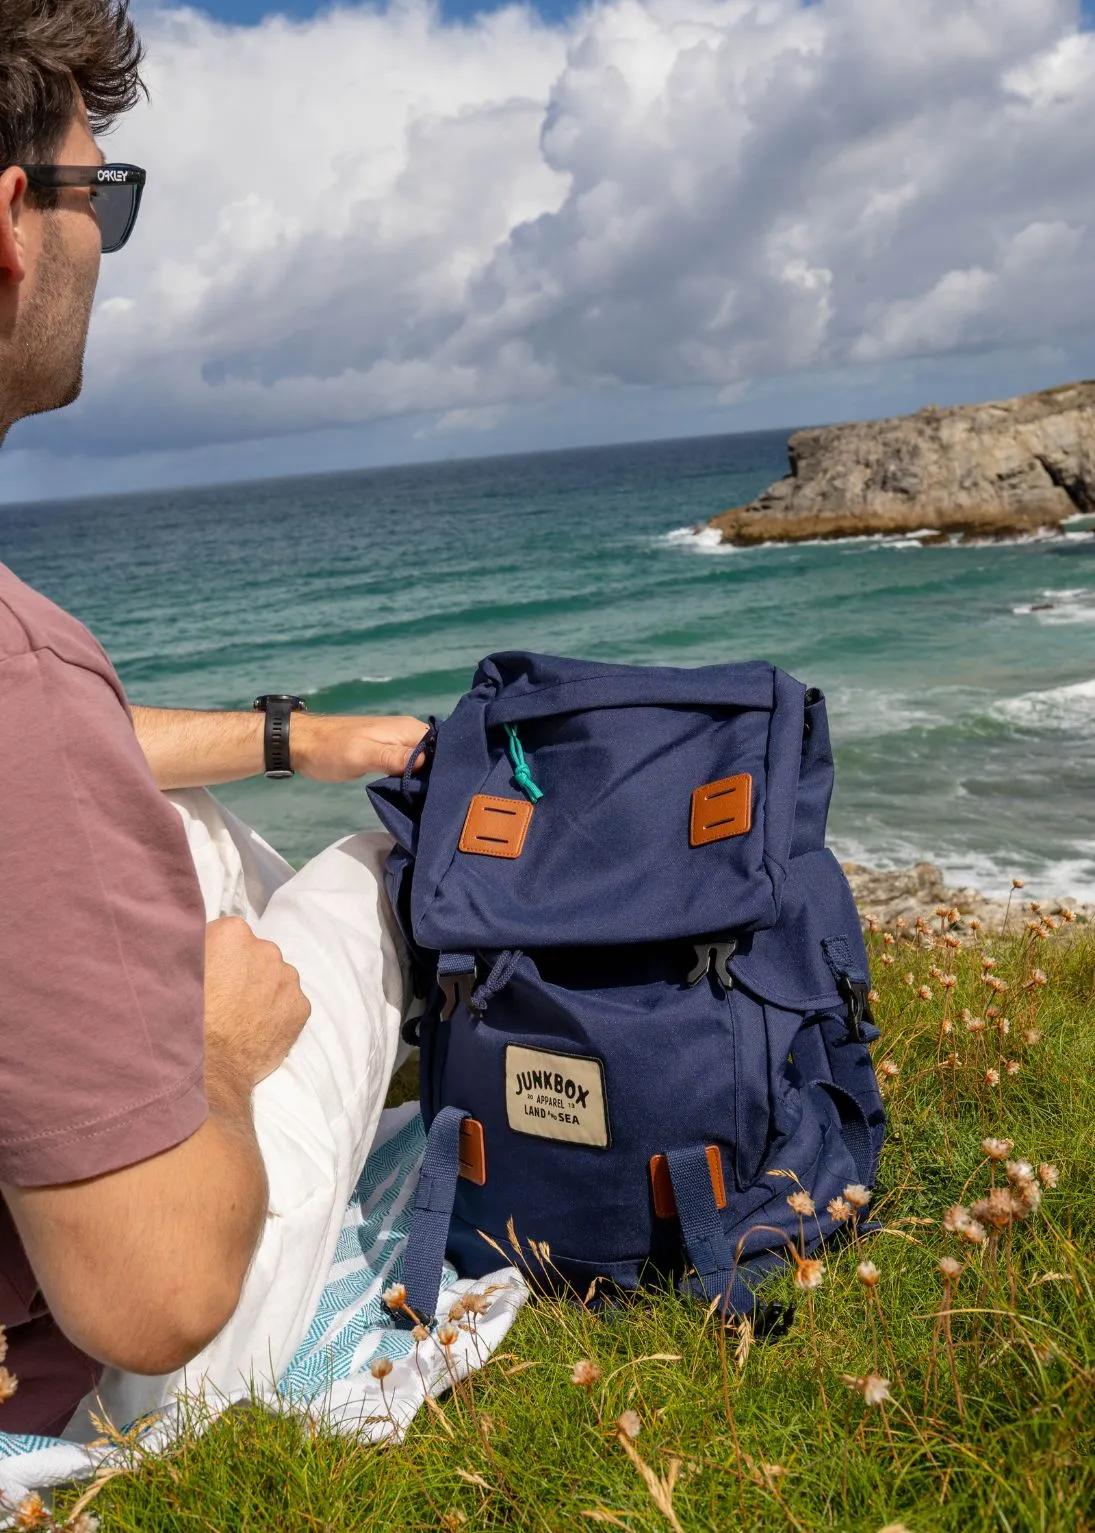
(334, 748)
(254, 1006)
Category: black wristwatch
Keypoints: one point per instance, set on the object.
(279, 708)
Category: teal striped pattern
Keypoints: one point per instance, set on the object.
(351, 1325)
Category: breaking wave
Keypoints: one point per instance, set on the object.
(698, 540)
(1069, 708)
(707, 540)
(1060, 608)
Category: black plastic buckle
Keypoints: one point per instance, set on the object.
(455, 988)
(772, 1320)
(857, 994)
(713, 955)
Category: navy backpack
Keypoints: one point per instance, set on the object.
(644, 981)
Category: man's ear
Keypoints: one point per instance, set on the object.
(13, 203)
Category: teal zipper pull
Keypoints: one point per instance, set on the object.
(522, 774)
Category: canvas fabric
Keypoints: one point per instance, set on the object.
(621, 990)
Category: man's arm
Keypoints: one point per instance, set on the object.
(193, 749)
(143, 1266)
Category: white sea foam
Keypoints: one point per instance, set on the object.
(1056, 608)
(865, 713)
(1064, 878)
(858, 537)
(926, 538)
(1042, 535)
(1070, 708)
(326, 686)
(708, 540)
(862, 713)
(699, 540)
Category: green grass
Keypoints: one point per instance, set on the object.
(772, 1439)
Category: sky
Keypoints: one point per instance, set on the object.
(249, 12)
(384, 234)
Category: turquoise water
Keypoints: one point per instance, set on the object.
(961, 680)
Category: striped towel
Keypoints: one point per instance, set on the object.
(329, 1375)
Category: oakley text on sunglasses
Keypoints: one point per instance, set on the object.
(115, 194)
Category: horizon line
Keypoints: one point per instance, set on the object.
(395, 464)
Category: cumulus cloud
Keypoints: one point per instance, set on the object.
(380, 214)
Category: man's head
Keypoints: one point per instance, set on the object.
(68, 68)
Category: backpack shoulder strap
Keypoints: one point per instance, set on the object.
(424, 1257)
(704, 1234)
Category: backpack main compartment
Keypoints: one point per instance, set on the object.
(644, 1021)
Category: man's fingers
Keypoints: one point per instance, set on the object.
(395, 759)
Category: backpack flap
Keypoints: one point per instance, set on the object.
(575, 804)
(398, 801)
(399, 810)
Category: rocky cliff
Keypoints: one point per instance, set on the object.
(990, 470)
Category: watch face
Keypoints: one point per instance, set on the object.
(297, 704)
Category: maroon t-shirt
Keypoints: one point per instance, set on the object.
(102, 946)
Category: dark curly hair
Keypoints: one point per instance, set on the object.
(52, 49)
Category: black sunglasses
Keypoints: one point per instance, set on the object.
(115, 194)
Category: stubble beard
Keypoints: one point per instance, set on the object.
(51, 335)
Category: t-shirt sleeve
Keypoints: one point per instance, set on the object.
(102, 936)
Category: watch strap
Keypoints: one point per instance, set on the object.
(275, 740)
(278, 711)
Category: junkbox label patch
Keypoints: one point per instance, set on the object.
(556, 1096)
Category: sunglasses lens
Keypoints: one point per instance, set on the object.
(116, 209)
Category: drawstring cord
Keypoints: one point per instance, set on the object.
(522, 773)
(502, 971)
(426, 746)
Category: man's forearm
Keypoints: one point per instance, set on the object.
(142, 1267)
(190, 749)
(229, 1099)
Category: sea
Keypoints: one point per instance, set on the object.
(960, 679)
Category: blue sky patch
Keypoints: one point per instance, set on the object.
(250, 11)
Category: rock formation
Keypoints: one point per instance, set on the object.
(990, 470)
(907, 893)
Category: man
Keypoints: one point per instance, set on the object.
(132, 1190)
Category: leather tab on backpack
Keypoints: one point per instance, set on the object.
(496, 827)
(722, 809)
(665, 1204)
(473, 1153)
